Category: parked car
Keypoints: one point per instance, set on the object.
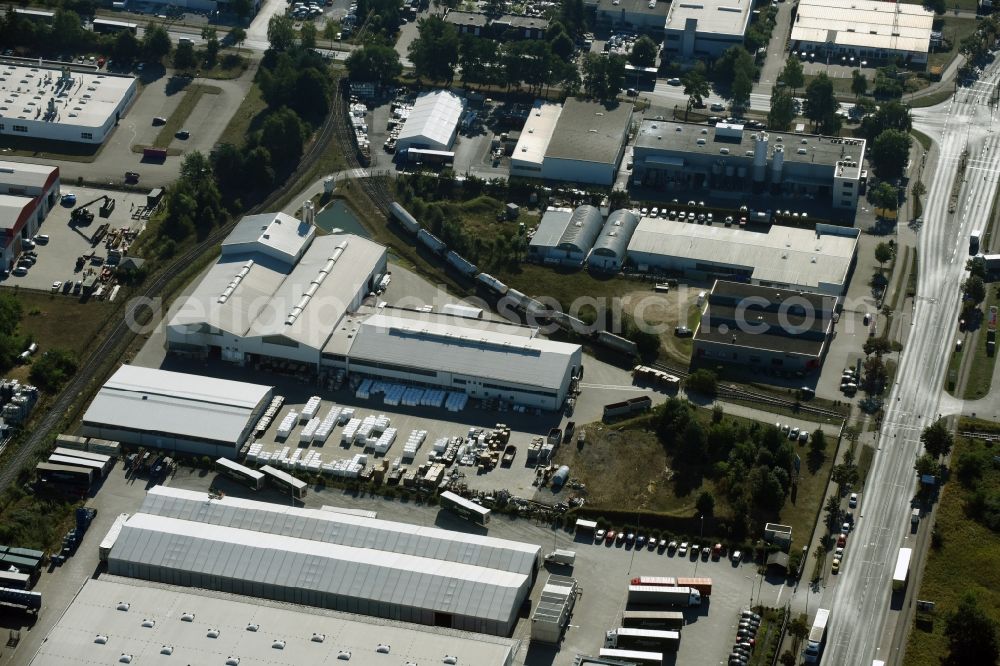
(56, 285)
(41, 239)
(706, 552)
(610, 536)
(183, 134)
(836, 566)
(159, 120)
(68, 199)
(842, 540)
(683, 549)
(20, 271)
(717, 551)
(131, 177)
(599, 535)
(737, 556)
(853, 501)
(674, 81)
(672, 548)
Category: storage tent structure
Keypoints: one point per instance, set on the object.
(176, 411)
(609, 250)
(330, 560)
(432, 123)
(565, 237)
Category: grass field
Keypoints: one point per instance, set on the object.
(60, 321)
(247, 118)
(192, 95)
(921, 138)
(566, 285)
(965, 5)
(954, 29)
(965, 561)
(981, 372)
(625, 468)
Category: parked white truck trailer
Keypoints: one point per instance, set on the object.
(659, 640)
(112, 536)
(816, 636)
(654, 595)
(637, 657)
(561, 556)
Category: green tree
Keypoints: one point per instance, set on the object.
(478, 58)
(374, 62)
(52, 369)
(184, 57)
(890, 153)
(937, 438)
(891, 115)
(817, 442)
(832, 509)
(307, 35)
(155, 43)
(644, 52)
(126, 48)
(562, 45)
(67, 30)
(211, 37)
(886, 196)
(880, 346)
(792, 75)
(939, 7)
(739, 92)
(280, 32)
(705, 503)
(972, 634)
(603, 76)
(696, 86)
(282, 134)
(820, 100)
(238, 36)
(731, 63)
(859, 83)
(782, 111)
(258, 171)
(572, 15)
(702, 381)
(883, 253)
(925, 465)
(434, 52)
(242, 8)
(974, 289)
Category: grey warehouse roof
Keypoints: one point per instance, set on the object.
(576, 230)
(151, 400)
(616, 234)
(22, 174)
(276, 234)
(463, 346)
(167, 549)
(797, 148)
(310, 636)
(718, 17)
(589, 131)
(343, 529)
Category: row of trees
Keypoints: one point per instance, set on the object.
(12, 341)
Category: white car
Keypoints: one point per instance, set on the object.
(683, 549)
(56, 285)
(674, 81)
(853, 501)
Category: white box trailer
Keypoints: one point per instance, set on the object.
(637, 657)
(561, 556)
(589, 526)
(112, 536)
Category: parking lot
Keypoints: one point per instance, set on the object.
(57, 259)
(602, 571)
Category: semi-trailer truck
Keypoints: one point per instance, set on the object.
(637, 657)
(653, 619)
(658, 640)
(703, 585)
(654, 595)
(817, 635)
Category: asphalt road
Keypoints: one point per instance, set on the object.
(860, 600)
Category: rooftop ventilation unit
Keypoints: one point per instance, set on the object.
(382, 648)
(344, 655)
(125, 658)
(318, 638)
(101, 639)
(167, 649)
(149, 624)
(253, 627)
(213, 633)
(123, 605)
(187, 617)
(278, 645)
(232, 661)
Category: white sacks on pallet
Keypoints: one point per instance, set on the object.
(311, 408)
(413, 443)
(287, 423)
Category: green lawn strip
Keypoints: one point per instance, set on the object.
(192, 95)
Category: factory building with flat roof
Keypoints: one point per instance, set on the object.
(776, 330)
(27, 193)
(329, 560)
(278, 292)
(867, 30)
(697, 29)
(645, 16)
(587, 143)
(529, 153)
(564, 236)
(114, 617)
(175, 411)
(731, 158)
(62, 104)
(819, 259)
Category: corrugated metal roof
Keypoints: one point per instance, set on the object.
(583, 227)
(616, 234)
(432, 119)
(94, 612)
(174, 548)
(343, 529)
(147, 399)
(472, 349)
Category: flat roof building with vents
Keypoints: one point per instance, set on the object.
(639, 15)
(697, 29)
(863, 29)
(529, 153)
(39, 102)
(113, 616)
(762, 327)
(819, 259)
(587, 143)
(327, 559)
(564, 236)
(432, 123)
(176, 411)
(732, 158)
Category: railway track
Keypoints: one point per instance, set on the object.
(138, 306)
(736, 393)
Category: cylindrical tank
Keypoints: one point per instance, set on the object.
(760, 157)
(560, 478)
(777, 164)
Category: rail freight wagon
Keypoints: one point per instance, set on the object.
(491, 283)
(404, 218)
(461, 264)
(431, 242)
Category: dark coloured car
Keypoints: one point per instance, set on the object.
(158, 120)
(131, 177)
(183, 134)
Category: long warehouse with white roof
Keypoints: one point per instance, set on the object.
(819, 259)
(114, 617)
(432, 123)
(326, 559)
(280, 292)
(176, 411)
